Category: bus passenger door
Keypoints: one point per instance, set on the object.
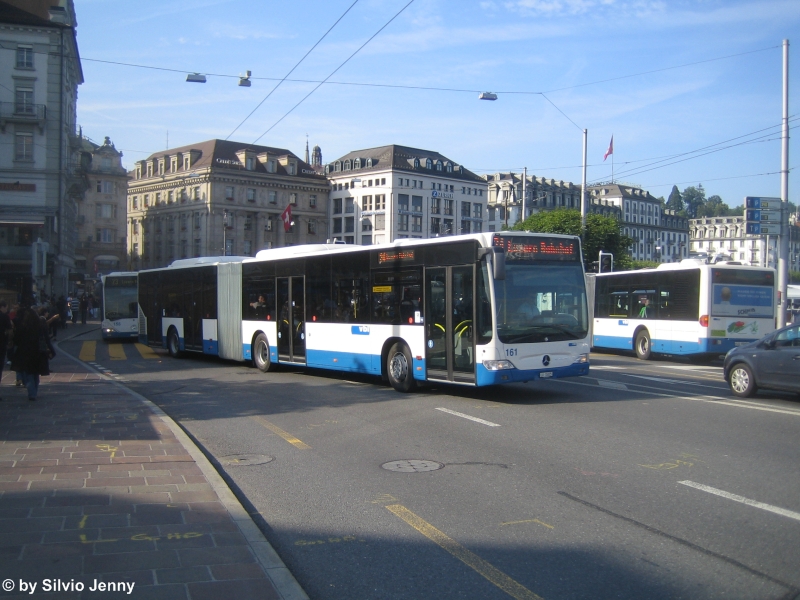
(449, 323)
(291, 314)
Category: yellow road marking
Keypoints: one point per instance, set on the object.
(82, 522)
(285, 435)
(527, 521)
(107, 448)
(145, 351)
(116, 351)
(494, 575)
(88, 351)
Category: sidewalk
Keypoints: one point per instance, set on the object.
(100, 490)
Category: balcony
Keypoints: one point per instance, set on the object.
(20, 112)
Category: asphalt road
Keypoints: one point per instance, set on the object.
(642, 480)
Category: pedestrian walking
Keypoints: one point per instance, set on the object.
(33, 349)
(84, 306)
(74, 308)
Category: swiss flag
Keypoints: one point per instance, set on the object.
(286, 217)
(610, 149)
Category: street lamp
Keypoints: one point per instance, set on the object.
(225, 232)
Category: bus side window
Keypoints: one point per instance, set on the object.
(664, 304)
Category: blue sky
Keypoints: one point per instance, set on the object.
(603, 65)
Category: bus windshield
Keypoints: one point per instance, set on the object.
(120, 298)
(541, 303)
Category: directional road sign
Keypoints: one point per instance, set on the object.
(762, 203)
(755, 215)
(763, 228)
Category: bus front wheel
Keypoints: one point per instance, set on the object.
(173, 344)
(261, 354)
(399, 368)
(643, 345)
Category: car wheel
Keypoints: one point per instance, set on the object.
(173, 344)
(742, 382)
(261, 354)
(642, 345)
(399, 368)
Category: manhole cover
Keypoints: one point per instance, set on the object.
(412, 466)
(245, 460)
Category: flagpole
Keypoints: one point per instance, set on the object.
(612, 161)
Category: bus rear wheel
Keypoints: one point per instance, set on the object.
(642, 345)
(261, 354)
(399, 368)
(173, 344)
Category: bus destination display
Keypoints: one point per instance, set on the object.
(525, 248)
(395, 256)
(128, 281)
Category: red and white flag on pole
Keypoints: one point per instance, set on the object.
(286, 217)
(610, 149)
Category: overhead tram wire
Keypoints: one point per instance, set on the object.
(711, 149)
(335, 70)
(439, 89)
(277, 85)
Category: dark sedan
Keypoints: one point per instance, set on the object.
(770, 363)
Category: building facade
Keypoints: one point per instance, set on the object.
(659, 234)
(42, 167)
(382, 194)
(506, 192)
(725, 238)
(222, 197)
(101, 221)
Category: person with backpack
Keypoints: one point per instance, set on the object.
(33, 349)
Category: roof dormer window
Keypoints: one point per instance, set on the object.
(347, 165)
(428, 163)
(337, 166)
(357, 163)
(369, 162)
(416, 163)
(438, 165)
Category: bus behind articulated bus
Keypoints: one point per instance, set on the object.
(120, 318)
(683, 308)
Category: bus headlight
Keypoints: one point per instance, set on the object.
(582, 359)
(109, 330)
(498, 365)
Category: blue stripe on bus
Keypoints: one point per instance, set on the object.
(344, 361)
(487, 377)
(701, 346)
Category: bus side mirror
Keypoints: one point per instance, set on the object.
(498, 260)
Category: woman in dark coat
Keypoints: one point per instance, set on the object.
(33, 350)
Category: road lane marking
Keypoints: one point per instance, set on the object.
(736, 498)
(116, 351)
(145, 351)
(616, 385)
(88, 351)
(284, 434)
(475, 562)
(527, 521)
(709, 399)
(471, 418)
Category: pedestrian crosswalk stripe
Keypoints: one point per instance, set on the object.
(145, 351)
(88, 351)
(116, 351)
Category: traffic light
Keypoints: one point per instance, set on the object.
(606, 260)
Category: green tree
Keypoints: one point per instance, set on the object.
(693, 198)
(675, 201)
(714, 207)
(602, 233)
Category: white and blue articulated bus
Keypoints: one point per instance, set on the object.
(474, 310)
(120, 319)
(685, 308)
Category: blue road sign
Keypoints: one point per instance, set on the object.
(763, 203)
(762, 228)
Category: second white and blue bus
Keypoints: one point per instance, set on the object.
(120, 318)
(475, 310)
(683, 308)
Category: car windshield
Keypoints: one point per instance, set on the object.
(541, 303)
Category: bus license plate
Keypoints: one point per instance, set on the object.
(740, 343)
(545, 374)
